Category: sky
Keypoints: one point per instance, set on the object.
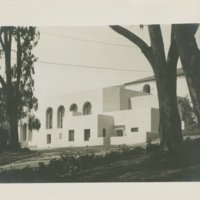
(77, 58)
(95, 46)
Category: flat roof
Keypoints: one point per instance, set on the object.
(152, 78)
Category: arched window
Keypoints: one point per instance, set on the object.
(24, 132)
(73, 108)
(147, 88)
(87, 108)
(49, 118)
(60, 115)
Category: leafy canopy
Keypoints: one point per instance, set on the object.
(20, 42)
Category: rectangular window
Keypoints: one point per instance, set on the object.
(86, 134)
(71, 135)
(104, 132)
(135, 129)
(48, 138)
(60, 136)
(119, 132)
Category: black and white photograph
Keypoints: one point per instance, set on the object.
(100, 103)
(103, 98)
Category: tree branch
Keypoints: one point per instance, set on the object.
(19, 54)
(157, 43)
(172, 57)
(146, 50)
(1, 41)
(8, 42)
(186, 41)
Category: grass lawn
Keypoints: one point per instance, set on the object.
(131, 165)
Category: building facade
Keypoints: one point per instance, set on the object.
(108, 116)
(148, 84)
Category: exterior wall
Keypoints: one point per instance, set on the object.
(105, 122)
(112, 108)
(111, 99)
(125, 96)
(76, 123)
(136, 118)
(94, 97)
(147, 101)
(117, 98)
(141, 116)
(139, 86)
(182, 89)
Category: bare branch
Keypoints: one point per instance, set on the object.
(172, 57)
(157, 43)
(146, 50)
(1, 40)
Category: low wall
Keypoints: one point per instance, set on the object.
(152, 137)
(136, 138)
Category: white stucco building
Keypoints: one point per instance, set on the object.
(148, 84)
(108, 116)
(126, 114)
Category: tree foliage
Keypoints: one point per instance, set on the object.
(187, 112)
(33, 123)
(18, 84)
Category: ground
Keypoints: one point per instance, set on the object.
(129, 166)
(19, 160)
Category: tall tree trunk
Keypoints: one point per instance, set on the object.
(13, 122)
(13, 132)
(11, 104)
(190, 59)
(170, 123)
(165, 76)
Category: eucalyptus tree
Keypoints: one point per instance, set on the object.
(190, 58)
(164, 68)
(18, 83)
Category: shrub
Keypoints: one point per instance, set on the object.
(152, 147)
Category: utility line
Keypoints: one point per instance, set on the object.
(91, 33)
(89, 66)
(91, 41)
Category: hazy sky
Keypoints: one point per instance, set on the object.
(94, 46)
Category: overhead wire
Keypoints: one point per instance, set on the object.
(90, 66)
(89, 40)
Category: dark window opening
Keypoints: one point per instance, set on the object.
(119, 132)
(71, 135)
(135, 129)
(49, 118)
(86, 134)
(147, 88)
(48, 138)
(87, 108)
(104, 132)
(60, 115)
(73, 108)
